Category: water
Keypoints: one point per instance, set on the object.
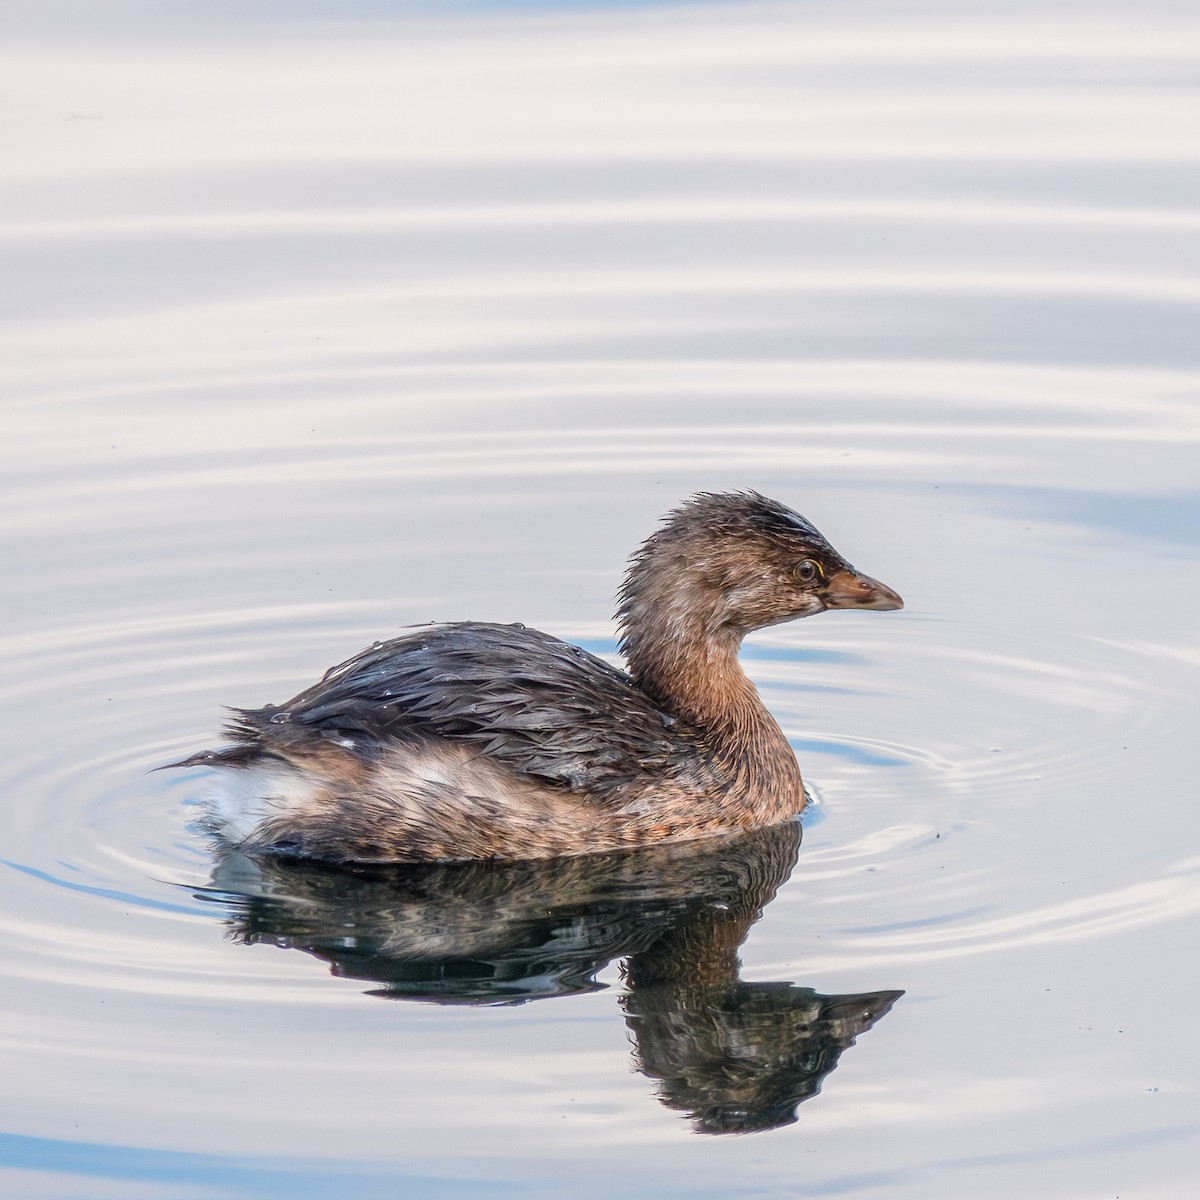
(322, 321)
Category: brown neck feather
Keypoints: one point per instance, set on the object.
(687, 663)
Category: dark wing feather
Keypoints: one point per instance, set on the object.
(542, 707)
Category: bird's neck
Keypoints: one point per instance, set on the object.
(691, 669)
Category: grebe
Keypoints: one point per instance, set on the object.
(475, 741)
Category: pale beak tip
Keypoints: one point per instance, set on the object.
(890, 601)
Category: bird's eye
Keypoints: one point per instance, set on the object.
(806, 571)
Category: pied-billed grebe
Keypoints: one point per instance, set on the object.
(473, 740)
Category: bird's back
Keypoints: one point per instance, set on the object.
(464, 740)
(544, 709)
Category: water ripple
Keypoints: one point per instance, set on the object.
(429, 315)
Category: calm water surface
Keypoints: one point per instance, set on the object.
(325, 320)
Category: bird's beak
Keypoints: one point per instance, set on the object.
(849, 589)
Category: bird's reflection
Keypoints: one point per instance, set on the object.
(732, 1055)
